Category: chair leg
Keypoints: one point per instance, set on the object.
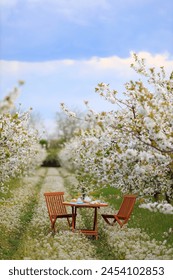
(69, 223)
(107, 221)
(115, 219)
(53, 226)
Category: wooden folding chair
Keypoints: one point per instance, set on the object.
(55, 208)
(124, 212)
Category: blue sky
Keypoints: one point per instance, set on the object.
(63, 48)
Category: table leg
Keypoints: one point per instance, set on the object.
(75, 214)
(95, 229)
(73, 218)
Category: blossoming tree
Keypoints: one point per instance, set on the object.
(19, 148)
(130, 148)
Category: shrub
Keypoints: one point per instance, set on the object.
(51, 159)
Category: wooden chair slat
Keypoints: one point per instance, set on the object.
(55, 207)
(124, 211)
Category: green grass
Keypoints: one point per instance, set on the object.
(153, 223)
(102, 245)
(10, 187)
(110, 194)
(13, 240)
(9, 243)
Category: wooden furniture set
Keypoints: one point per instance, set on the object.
(57, 209)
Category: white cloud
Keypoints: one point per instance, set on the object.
(158, 60)
(89, 67)
(71, 81)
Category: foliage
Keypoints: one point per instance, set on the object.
(52, 159)
(130, 148)
(55, 144)
(53, 147)
(43, 143)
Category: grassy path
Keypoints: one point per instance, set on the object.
(16, 213)
(38, 242)
(25, 227)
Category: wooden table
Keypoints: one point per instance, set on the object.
(95, 206)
